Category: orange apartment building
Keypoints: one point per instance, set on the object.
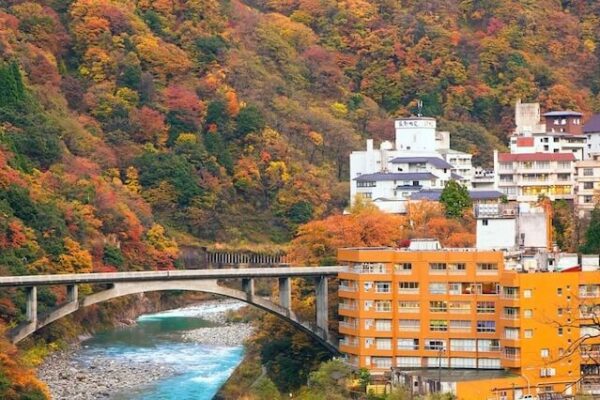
(459, 318)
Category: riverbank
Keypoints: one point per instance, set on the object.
(78, 374)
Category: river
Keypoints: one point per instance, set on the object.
(192, 370)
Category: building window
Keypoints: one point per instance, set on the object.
(383, 305)
(527, 293)
(364, 184)
(381, 362)
(487, 268)
(528, 333)
(485, 222)
(588, 185)
(408, 287)
(459, 307)
(460, 326)
(408, 307)
(511, 333)
(588, 199)
(367, 195)
(438, 325)
(437, 267)
(544, 353)
(460, 362)
(588, 172)
(559, 291)
(457, 268)
(438, 306)
(383, 287)
(486, 307)
(437, 288)
(408, 362)
(409, 325)
(384, 325)
(560, 331)
(488, 345)
(527, 314)
(404, 268)
(489, 363)
(383, 344)
(486, 326)
(435, 344)
(463, 345)
(408, 344)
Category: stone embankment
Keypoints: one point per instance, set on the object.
(72, 377)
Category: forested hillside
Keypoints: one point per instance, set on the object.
(127, 126)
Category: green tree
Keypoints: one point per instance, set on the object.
(592, 235)
(249, 120)
(455, 198)
(265, 389)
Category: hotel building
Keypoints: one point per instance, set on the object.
(466, 321)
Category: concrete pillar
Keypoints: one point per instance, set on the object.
(71, 293)
(31, 312)
(322, 307)
(285, 293)
(248, 287)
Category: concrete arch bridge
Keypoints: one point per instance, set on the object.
(207, 281)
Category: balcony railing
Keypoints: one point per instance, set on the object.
(489, 349)
(344, 288)
(408, 347)
(348, 342)
(369, 269)
(349, 325)
(589, 294)
(347, 306)
(510, 317)
(514, 357)
(510, 296)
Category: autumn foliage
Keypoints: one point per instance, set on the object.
(317, 241)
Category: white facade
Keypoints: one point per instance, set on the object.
(511, 226)
(419, 159)
(549, 143)
(591, 130)
(527, 119)
(525, 176)
(587, 176)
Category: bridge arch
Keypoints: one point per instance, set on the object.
(210, 286)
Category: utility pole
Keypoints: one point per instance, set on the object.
(440, 369)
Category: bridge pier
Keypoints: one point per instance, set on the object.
(285, 293)
(31, 311)
(321, 295)
(248, 287)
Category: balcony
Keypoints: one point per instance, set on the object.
(348, 325)
(489, 349)
(349, 342)
(408, 347)
(589, 294)
(343, 288)
(369, 269)
(347, 306)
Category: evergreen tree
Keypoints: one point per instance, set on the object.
(592, 235)
(455, 198)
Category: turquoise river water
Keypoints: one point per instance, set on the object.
(157, 339)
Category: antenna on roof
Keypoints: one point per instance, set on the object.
(419, 108)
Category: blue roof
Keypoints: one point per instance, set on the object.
(566, 113)
(435, 161)
(434, 194)
(456, 177)
(396, 176)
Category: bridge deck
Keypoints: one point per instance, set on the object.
(114, 277)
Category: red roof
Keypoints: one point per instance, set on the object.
(507, 157)
(525, 142)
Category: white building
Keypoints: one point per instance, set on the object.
(512, 226)
(525, 176)
(560, 133)
(591, 130)
(420, 158)
(587, 176)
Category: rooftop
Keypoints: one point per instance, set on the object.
(434, 194)
(436, 162)
(565, 113)
(505, 157)
(593, 125)
(396, 176)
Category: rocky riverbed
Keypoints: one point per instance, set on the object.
(76, 375)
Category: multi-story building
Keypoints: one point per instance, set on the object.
(561, 132)
(420, 158)
(591, 130)
(459, 320)
(525, 176)
(587, 176)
